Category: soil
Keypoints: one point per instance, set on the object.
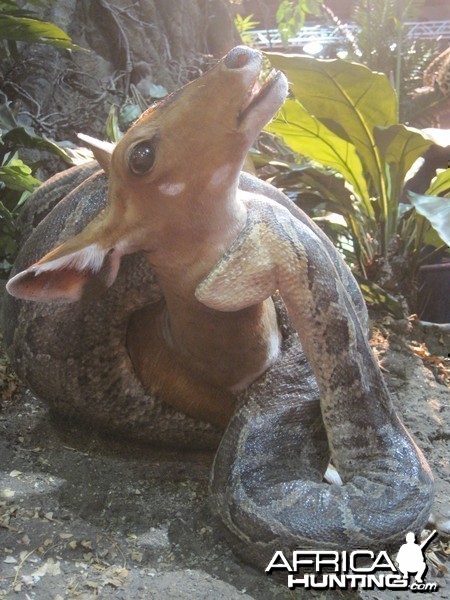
(83, 516)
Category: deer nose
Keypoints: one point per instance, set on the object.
(240, 57)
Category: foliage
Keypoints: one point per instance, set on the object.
(291, 16)
(343, 117)
(434, 206)
(381, 24)
(380, 40)
(383, 44)
(120, 118)
(22, 25)
(244, 25)
(18, 179)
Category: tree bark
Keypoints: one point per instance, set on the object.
(140, 43)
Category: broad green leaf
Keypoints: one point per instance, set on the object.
(436, 210)
(308, 136)
(11, 5)
(17, 176)
(348, 97)
(336, 196)
(400, 147)
(431, 238)
(25, 29)
(440, 184)
(25, 137)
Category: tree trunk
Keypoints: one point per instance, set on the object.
(142, 43)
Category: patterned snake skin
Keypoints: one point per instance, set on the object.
(323, 398)
(387, 485)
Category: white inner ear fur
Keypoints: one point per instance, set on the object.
(95, 143)
(88, 259)
(101, 150)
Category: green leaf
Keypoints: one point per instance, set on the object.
(308, 136)
(440, 184)
(348, 97)
(25, 137)
(17, 176)
(244, 24)
(157, 91)
(25, 29)
(337, 196)
(436, 210)
(112, 129)
(400, 147)
(375, 295)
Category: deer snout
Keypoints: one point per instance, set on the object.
(242, 57)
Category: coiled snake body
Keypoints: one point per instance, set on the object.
(322, 396)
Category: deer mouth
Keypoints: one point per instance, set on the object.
(257, 92)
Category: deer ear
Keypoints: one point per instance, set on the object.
(68, 274)
(101, 150)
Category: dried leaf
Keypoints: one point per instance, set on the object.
(114, 582)
(93, 584)
(137, 556)
(53, 568)
(48, 568)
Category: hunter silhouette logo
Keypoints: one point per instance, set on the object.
(358, 569)
(411, 557)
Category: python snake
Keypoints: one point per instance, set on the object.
(323, 397)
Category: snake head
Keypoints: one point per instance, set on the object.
(249, 272)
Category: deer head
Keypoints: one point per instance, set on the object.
(172, 179)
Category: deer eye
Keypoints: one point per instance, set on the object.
(141, 158)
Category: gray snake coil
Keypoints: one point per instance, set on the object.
(321, 396)
(267, 480)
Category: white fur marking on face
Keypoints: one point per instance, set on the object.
(172, 189)
(88, 259)
(220, 175)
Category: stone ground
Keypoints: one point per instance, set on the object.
(82, 516)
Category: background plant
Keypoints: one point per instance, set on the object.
(383, 45)
(18, 178)
(244, 26)
(380, 41)
(291, 16)
(344, 118)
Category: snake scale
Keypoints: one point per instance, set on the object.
(320, 394)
